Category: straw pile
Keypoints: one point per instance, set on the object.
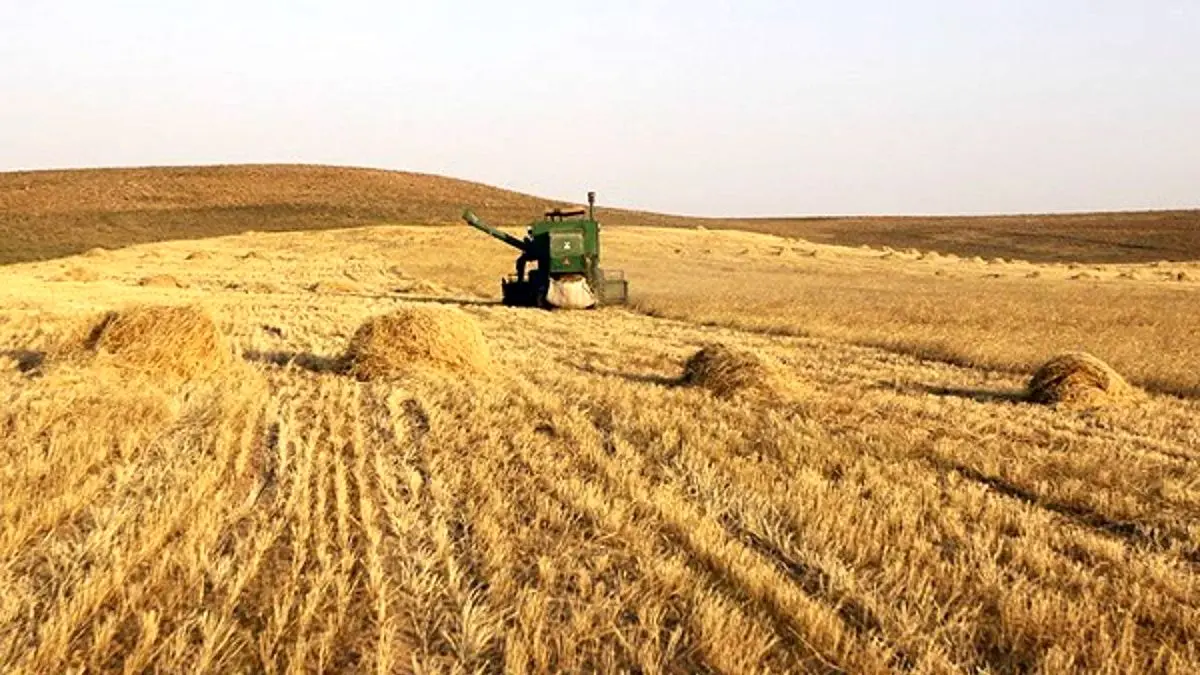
(1078, 379)
(154, 340)
(727, 372)
(415, 339)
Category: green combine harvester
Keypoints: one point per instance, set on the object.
(564, 251)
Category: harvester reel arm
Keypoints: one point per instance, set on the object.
(474, 221)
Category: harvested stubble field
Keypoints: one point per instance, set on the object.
(568, 503)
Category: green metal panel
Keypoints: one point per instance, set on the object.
(567, 251)
(589, 228)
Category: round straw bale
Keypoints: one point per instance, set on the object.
(162, 281)
(199, 255)
(728, 371)
(417, 338)
(155, 340)
(98, 252)
(1078, 378)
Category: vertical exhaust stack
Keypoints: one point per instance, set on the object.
(591, 205)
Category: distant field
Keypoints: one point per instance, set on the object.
(47, 214)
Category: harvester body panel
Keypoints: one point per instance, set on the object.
(567, 252)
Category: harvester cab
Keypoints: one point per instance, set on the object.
(559, 264)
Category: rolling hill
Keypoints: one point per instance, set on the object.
(48, 214)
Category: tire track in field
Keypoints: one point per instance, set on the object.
(658, 439)
(543, 568)
(725, 559)
(471, 633)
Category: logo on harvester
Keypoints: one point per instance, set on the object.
(566, 246)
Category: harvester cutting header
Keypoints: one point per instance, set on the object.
(564, 250)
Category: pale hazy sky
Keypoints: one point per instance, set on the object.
(703, 107)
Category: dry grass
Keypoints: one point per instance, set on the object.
(1078, 378)
(77, 273)
(335, 286)
(582, 512)
(925, 307)
(162, 281)
(414, 339)
(255, 286)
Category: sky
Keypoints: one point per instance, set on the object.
(705, 107)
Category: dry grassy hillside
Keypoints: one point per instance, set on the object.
(46, 214)
(581, 492)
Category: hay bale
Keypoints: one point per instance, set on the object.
(1078, 378)
(417, 338)
(199, 255)
(98, 252)
(162, 281)
(728, 371)
(153, 340)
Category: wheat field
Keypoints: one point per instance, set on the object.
(896, 507)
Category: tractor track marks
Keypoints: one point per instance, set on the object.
(1133, 533)
(745, 573)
